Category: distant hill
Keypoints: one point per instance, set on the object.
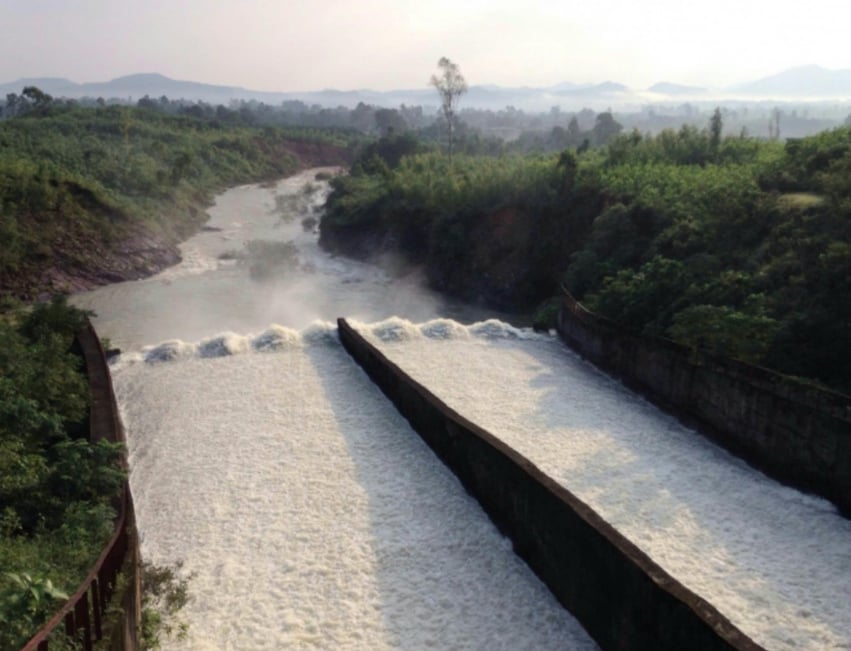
(605, 87)
(155, 85)
(667, 88)
(135, 87)
(805, 81)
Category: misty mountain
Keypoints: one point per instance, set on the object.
(667, 88)
(804, 81)
(567, 85)
(134, 87)
(605, 87)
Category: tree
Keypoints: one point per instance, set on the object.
(574, 133)
(389, 121)
(605, 128)
(11, 109)
(774, 124)
(716, 124)
(38, 97)
(567, 167)
(362, 117)
(450, 85)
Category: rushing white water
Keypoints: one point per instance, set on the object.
(309, 512)
(775, 561)
(313, 517)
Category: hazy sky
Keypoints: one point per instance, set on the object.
(383, 44)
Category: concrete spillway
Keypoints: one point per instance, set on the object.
(309, 513)
(776, 562)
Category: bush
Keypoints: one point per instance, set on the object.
(56, 488)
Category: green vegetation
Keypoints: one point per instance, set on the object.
(77, 184)
(56, 488)
(164, 594)
(736, 245)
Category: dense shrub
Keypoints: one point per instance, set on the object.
(56, 488)
(740, 246)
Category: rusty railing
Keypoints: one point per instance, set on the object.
(83, 616)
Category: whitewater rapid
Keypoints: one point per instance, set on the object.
(307, 511)
(775, 561)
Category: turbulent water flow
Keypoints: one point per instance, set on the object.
(775, 561)
(309, 512)
(312, 516)
(210, 291)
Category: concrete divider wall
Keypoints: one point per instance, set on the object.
(798, 434)
(622, 598)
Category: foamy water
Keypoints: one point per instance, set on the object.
(776, 562)
(310, 513)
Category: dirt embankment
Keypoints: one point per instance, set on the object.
(318, 154)
(499, 267)
(506, 259)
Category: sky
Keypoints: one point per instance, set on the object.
(301, 45)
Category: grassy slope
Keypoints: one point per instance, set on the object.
(92, 195)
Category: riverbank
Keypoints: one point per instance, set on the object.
(97, 196)
(745, 254)
(83, 260)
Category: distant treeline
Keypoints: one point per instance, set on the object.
(509, 129)
(733, 244)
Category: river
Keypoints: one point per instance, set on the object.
(205, 295)
(310, 515)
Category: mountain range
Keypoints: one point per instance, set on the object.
(806, 82)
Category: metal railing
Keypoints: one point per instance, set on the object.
(84, 615)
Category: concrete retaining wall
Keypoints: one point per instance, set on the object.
(795, 433)
(622, 598)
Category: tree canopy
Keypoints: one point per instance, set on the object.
(736, 245)
(450, 86)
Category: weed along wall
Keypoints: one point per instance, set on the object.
(622, 598)
(798, 434)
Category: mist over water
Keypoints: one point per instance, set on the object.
(205, 295)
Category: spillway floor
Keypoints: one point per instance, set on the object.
(775, 561)
(309, 514)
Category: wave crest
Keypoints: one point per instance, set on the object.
(278, 338)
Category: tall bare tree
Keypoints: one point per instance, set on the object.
(450, 85)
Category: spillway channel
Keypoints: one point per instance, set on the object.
(308, 512)
(775, 561)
